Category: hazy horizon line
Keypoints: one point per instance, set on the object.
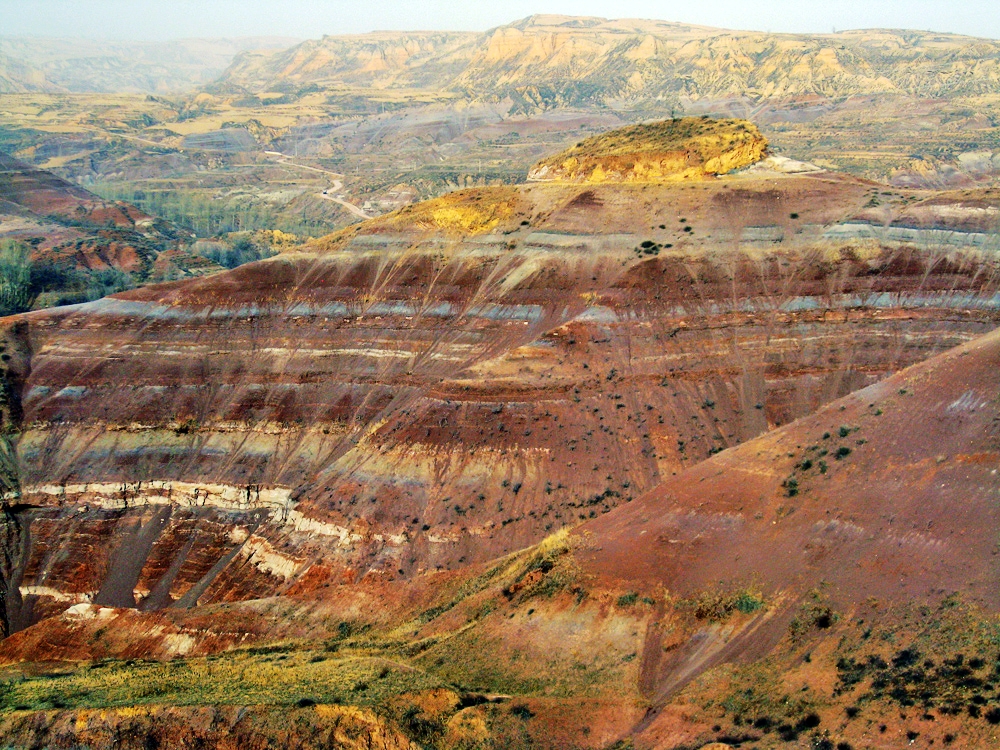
(296, 38)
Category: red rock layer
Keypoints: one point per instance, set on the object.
(889, 492)
(392, 407)
(70, 226)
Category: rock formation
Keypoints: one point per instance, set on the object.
(396, 401)
(349, 474)
(685, 149)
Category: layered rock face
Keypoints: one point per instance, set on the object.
(577, 60)
(398, 401)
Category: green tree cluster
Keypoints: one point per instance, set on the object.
(210, 216)
(17, 294)
(243, 250)
(22, 280)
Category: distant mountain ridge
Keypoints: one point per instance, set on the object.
(15, 76)
(562, 60)
(398, 59)
(552, 60)
(30, 65)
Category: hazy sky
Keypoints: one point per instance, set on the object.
(167, 19)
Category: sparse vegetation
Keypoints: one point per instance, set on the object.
(672, 149)
(759, 704)
(953, 685)
(814, 614)
(239, 250)
(246, 678)
(628, 599)
(466, 212)
(716, 606)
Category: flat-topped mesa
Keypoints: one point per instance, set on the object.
(689, 148)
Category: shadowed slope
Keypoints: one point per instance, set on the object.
(889, 492)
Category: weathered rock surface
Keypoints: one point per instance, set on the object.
(547, 60)
(690, 148)
(405, 400)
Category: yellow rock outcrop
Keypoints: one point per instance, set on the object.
(465, 212)
(685, 149)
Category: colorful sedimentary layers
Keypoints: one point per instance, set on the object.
(394, 402)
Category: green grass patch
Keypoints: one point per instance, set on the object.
(237, 678)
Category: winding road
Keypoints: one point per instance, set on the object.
(330, 193)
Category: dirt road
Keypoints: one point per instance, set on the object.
(331, 192)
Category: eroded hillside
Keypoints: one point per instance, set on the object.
(689, 148)
(76, 240)
(347, 475)
(728, 605)
(573, 60)
(400, 400)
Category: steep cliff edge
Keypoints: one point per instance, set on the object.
(15, 367)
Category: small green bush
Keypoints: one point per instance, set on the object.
(627, 600)
(522, 712)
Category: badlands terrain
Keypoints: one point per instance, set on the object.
(674, 441)
(408, 116)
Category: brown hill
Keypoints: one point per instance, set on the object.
(728, 604)
(886, 493)
(75, 234)
(881, 500)
(44, 193)
(348, 475)
(454, 381)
